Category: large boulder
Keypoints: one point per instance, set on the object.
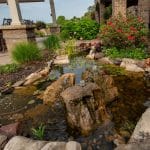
(83, 110)
(142, 129)
(53, 91)
(106, 84)
(22, 143)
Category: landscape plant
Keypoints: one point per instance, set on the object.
(39, 132)
(52, 43)
(25, 52)
(9, 68)
(79, 28)
(124, 37)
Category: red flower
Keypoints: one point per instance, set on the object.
(133, 29)
(131, 38)
(119, 30)
(110, 23)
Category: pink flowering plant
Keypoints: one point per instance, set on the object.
(124, 33)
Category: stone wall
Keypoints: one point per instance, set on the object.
(144, 11)
(16, 34)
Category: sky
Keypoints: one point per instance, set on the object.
(41, 10)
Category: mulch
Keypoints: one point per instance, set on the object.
(25, 70)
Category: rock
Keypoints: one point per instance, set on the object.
(105, 60)
(98, 55)
(72, 145)
(61, 60)
(22, 143)
(142, 129)
(55, 146)
(144, 145)
(83, 109)
(32, 78)
(131, 65)
(18, 83)
(147, 62)
(147, 78)
(52, 92)
(31, 102)
(11, 129)
(117, 62)
(3, 139)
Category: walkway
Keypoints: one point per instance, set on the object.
(4, 59)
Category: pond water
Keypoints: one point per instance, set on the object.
(125, 111)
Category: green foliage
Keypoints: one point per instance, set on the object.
(70, 48)
(108, 12)
(9, 68)
(39, 33)
(52, 43)
(40, 25)
(80, 28)
(61, 20)
(128, 126)
(25, 52)
(134, 53)
(39, 132)
(124, 33)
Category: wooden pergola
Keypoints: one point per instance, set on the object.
(16, 13)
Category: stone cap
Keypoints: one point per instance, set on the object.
(77, 92)
(16, 27)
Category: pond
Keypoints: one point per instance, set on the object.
(23, 105)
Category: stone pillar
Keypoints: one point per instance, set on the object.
(119, 7)
(53, 13)
(15, 12)
(144, 11)
(15, 34)
(102, 10)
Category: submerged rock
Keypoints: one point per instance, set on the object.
(53, 91)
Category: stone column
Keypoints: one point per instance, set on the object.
(144, 11)
(15, 34)
(53, 13)
(102, 10)
(15, 12)
(119, 7)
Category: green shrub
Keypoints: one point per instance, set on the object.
(108, 12)
(80, 28)
(9, 68)
(124, 33)
(40, 25)
(25, 52)
(52, 43)
(135, 53)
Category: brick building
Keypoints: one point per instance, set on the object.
(137, 7)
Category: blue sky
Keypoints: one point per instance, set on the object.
(41, 11)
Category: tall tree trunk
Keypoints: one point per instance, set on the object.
(53, 13)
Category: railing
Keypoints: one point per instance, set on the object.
(7, 21)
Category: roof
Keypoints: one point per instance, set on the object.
(23, 1)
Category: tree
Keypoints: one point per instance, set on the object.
(61, 20)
